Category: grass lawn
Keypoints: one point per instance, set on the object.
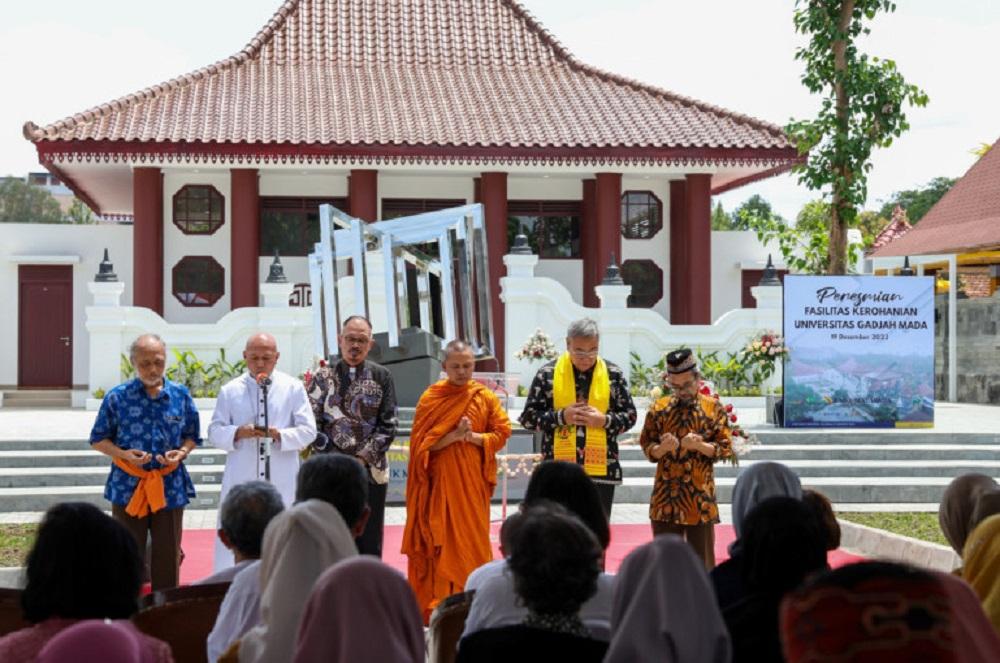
(15, 541)
(923, 526)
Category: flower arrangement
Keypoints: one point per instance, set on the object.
(742, 442)
(538, 346)
(762, 354)
(307, 376)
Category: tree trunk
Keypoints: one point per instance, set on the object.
(837, 251)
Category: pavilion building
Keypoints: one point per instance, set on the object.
(387, 108)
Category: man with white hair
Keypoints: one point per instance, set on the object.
(148, 426)
(580, 403)
(238, 426)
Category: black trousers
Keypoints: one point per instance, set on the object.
(164, 528)
(606, 491)
(370, 541)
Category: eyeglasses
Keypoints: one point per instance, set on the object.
(677, 388)
(355, 340)
(583, 354)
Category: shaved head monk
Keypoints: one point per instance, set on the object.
(458, 428)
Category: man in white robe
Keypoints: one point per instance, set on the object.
(238, 424)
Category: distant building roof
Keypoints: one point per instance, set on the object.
(966, 219)
(473, 74)
(897, 227)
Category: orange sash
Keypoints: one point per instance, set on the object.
(149, 496)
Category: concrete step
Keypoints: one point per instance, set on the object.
(28, 477)
(772, 435)
(861, 468)
(37, 398)
(40, 499)
(86, 457)
(637, 490)
(858, 452)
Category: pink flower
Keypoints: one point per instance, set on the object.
(732, 418)
(322, 362)
(729, 408)
(705, 390)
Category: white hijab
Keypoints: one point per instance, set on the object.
(664, 607)
(299, 544)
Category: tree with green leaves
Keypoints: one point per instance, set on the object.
(917, 202)
(21, 202)
(862, 108)
(79, 213)
(721, 220)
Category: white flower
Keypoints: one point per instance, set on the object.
(656, 393)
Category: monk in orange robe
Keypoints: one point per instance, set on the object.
(458, 428)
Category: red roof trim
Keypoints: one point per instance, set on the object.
(72, 186)
(129, 150)
(763, 175)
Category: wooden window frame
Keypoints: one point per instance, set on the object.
(181, 221)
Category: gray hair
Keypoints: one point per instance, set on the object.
(140, 341)
(583, 328)
(245, 513)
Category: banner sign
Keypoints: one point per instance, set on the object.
(860, 351)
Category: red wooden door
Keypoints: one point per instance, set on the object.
(45, 326)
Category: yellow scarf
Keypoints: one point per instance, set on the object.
(595, 454)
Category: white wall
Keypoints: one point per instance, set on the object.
(657, 247)
(733, 250)
(569, 274)
(176, 245)
(427, 186)
(87, 242)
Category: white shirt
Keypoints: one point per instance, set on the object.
(225, 575)
(241, 402)
(497, 604)
(239, 612)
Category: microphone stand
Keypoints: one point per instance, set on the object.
(264, 447)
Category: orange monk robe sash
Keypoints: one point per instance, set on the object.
(448, 492)
(149, 495)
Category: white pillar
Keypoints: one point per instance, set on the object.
(275, 295)
(106, 327)
(519, 295)
(953, 328)
(615, 324)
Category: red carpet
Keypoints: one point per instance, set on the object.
(198, 545)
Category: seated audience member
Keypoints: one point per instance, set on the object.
(664, 609)
(827, 519)
(488, 570)
(881, 612)
(968, 500)
(361, 610)
(495, 603)
(299, 544)
(754, 484)
(981, 566)
(244, 516)
(555, 561)
(782, 544)
(95, 641)
(83, 565)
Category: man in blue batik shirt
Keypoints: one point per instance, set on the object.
(148, 426)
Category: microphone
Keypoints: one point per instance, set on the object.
(263, 379)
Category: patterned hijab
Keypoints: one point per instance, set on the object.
(755, 484)
(299, 544)
(981, 566)
(361, 610)
(664, 603)
(967, 500)
(881, 612)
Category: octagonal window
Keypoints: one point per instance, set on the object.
(646, 279)
(198, 281)
(642, 214)
(199, 209)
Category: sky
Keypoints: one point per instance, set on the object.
(65, 56)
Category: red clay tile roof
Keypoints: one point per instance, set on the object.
(897, 227)
(967, 218)
(471, 73)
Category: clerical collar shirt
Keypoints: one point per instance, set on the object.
(132, 419)
(540, 414)
(356, 413)
(241, 402)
